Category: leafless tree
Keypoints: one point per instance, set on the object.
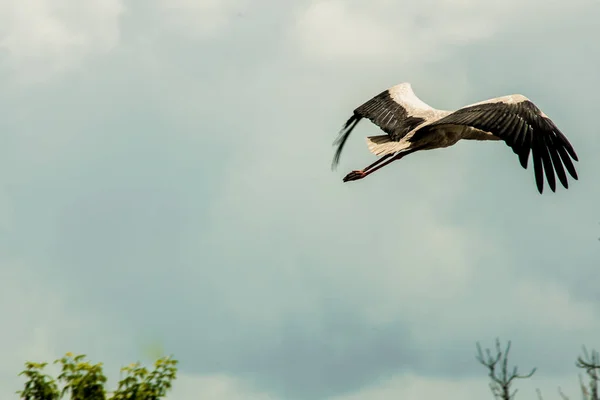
(501, 379)
(591, 364)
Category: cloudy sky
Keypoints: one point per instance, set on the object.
(166, 181)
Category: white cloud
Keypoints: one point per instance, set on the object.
(41, 38)
(554, 307)
(331, 30)
(525, 306)
(214, 387)
(410, 386)
(199, 19)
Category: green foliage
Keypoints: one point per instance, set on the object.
(139, 384)
(38, 386)
(82, 380)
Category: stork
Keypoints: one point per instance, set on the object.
(412, 125)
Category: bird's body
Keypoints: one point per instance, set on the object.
(412, 125)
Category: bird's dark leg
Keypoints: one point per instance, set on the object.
(379, 160)
(356, 175)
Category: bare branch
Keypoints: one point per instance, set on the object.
(562, 395)
(539, 394)
(502, 380)
(584, 392)
(591, 364)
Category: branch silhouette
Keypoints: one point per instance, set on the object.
(501, 379)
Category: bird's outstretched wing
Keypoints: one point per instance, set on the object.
(524, 127)
(396, 111)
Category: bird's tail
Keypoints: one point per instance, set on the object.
(382, 144)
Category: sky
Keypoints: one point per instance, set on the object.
(166, 184)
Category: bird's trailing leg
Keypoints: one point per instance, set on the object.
(356, 175)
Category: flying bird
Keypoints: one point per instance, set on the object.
(412, 125)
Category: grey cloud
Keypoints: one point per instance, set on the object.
(187, 194)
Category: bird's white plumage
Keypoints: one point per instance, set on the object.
(381, 145)
(509, 99)
(403, 94)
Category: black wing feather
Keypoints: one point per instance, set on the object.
(560, 171)
(525, 129)
(384, 112)
(344, 134)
